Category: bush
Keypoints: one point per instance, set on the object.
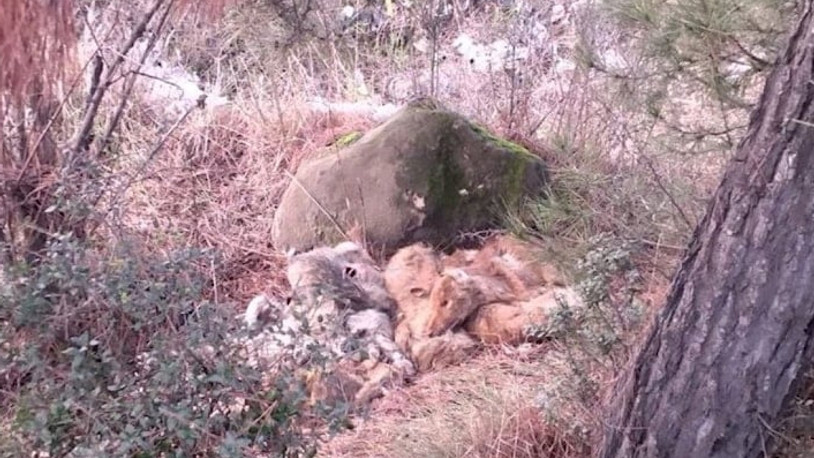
(122, 354)
(591, 334)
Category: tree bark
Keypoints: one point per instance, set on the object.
(726, 353)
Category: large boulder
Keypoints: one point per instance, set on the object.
(427, 174)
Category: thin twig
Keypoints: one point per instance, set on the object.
(51, 121)
(82, 139)
(762, 62)
(773, 431)
(317, 203)
(657, 177)
(149, 159)
(131, 82)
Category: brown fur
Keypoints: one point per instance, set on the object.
(434, 295)
(459, 258)
(501, 323)
(410, 274)
(504, 270)
(412, 325)
(507, 323)
(351, 382)
(448, 349)
(339, 385)
(458, 293)
(524, 258)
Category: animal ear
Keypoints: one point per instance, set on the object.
(350, 272)
(418, 291)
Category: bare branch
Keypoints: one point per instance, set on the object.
(82, 140)
(131, 82)
(156, 149)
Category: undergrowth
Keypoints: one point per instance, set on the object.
(118, 338)
(125, 355)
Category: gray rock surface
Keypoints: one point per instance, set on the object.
(427, 174)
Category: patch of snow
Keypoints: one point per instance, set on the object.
(558, 14)
(177, 90)
(563, 66)
(497, 55)
(613, 60)
(348, 12)
(377, 112)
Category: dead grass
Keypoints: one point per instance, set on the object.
(219, 178)
(794, 434)
(217, 184)
(483, 408)
(505, 402)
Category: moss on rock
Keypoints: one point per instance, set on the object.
(500, 141)
(427, 174)
(347, 139)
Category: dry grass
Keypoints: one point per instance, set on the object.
(219, 176)
(217, 183)
(482, 409)
(794, 434)
(523, 401)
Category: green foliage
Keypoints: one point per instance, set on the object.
(698, 37)
(602, 318)
(499, 141)
(347, 139)
(588, 196)
(591, 331)
(678, 54)
(123, 355)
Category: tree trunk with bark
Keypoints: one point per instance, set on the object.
(736, 335)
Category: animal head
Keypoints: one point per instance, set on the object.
(323, 262)
(451, 301)
(410, 274)
(362, 272)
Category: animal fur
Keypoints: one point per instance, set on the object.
(445, 307)
(374, 329)
(508, 323)
(259, 311)
(523, 258)
(409, 276)
(343, 275)
(501, 272)
(340, 293)
(458, 293)
(351, 383)
(370, 278)
(449, 349)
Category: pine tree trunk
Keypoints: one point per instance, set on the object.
(736, 334)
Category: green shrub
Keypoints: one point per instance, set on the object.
(119, 353)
